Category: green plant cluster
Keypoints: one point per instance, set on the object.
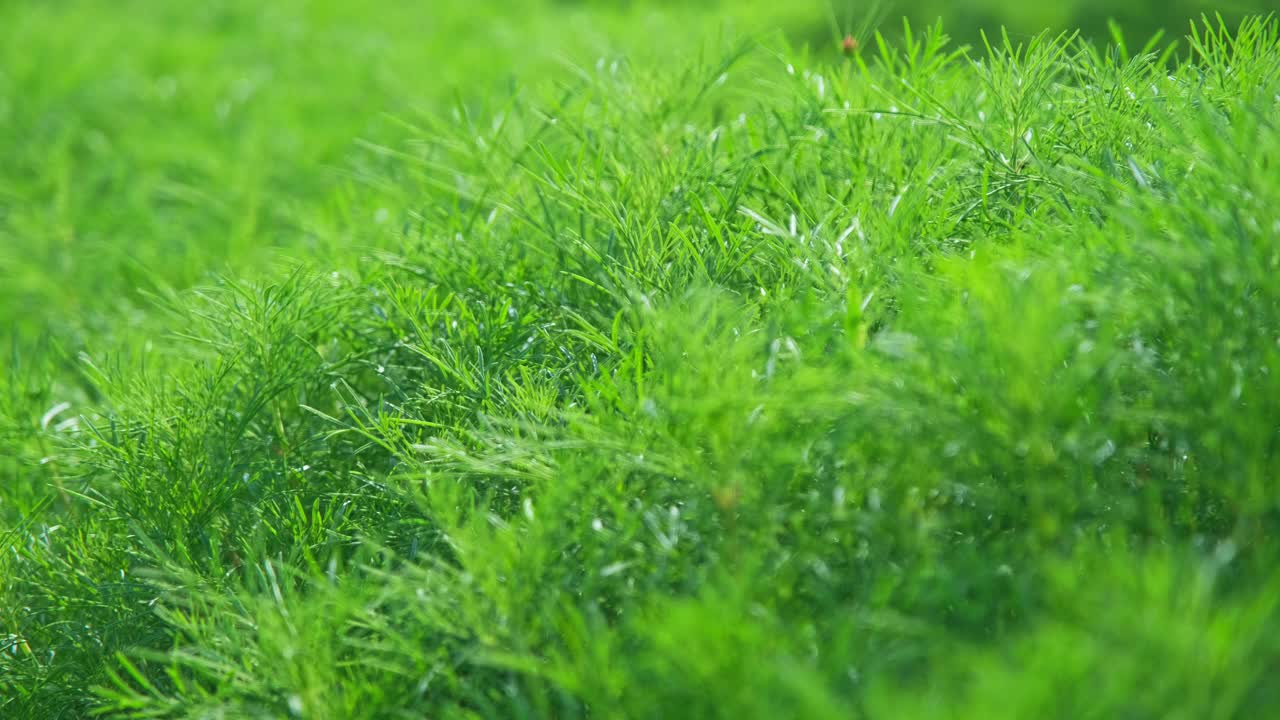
(716, 379)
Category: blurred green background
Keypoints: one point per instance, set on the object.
(1138, 18)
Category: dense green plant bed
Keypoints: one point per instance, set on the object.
(720, 379)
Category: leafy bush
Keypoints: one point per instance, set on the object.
(744, 382)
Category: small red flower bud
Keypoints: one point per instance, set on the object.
(850, 46)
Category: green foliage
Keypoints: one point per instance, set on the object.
(705, 378)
